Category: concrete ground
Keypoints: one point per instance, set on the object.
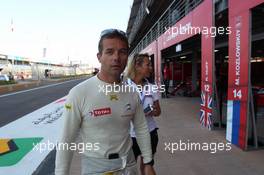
(179, 124)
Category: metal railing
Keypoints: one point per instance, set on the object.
(142, 13)
(176, 11)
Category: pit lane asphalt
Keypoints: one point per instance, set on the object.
(18, 104)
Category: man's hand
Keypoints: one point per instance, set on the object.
(149, 170)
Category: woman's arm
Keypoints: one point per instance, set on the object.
(156, 109)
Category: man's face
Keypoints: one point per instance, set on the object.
(114, 57)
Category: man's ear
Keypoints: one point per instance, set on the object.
(99, 55)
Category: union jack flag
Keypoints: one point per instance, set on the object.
(206, 110)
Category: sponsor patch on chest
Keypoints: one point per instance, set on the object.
(101, 112)
(128, 110)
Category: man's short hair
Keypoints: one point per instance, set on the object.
(109, 34)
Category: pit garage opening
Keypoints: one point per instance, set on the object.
(256, 73)
(184, 61)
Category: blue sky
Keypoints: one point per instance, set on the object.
(67, 28)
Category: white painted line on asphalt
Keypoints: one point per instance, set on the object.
(44, 123)
(42, 87)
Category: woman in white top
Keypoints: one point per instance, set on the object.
(139, 69)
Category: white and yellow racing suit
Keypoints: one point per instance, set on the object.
(103, 121)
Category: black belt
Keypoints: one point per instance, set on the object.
(113, 156)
